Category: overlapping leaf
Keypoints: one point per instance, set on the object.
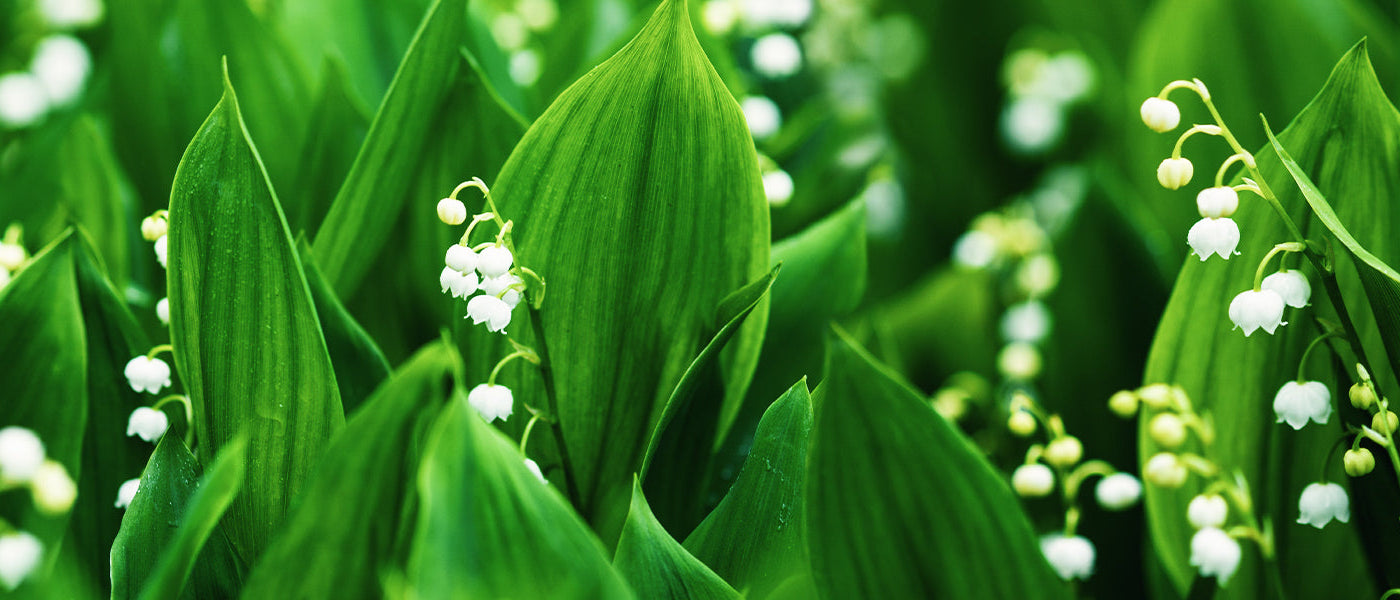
(248, 344)
(359, 365)
(655, 564)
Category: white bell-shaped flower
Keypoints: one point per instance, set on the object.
(1296, 402)
(461, 285)
(70, 14)
(451, 211)
(492, 401)
(491, 310)
(1217, 202)
(1027, 321)
(776, 55)
(1207, 510)
(494, 261)
(1160, 115)
(12, 256)
(501, 287)
(1292, 285)
(53, 489)
(1166, 470)
(153, 227)
(1322, 502)
(1175, 172)
(778, 187)
(461, 258)
(163, 311)
(161, 247)
(21, 454)
(1033, 480)
(147, 423)
(534, 467)
(62, 65)
(1251, 310)
(1072, 556)
(1118, 491)
(146, 374)
(1214, 236)
(127, 492)
(1215, 554)
(23, 101)
(19, 556)
(762, 115)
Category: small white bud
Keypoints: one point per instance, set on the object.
(1019, 360)
(491, 310)
(23, 101)
(1358, 462)
(1214, 236)
(762, 115)
(19, 556)
(1167, 429)
(1123, 403)
(1296, 403)
(1021, 423)
(1033, 481)
(778, 187)
(12, 256)
(71, 14)
(1251, 310)
(21, 454)
(1215, 554)
(127, 492)
(1160, 115)
(494, 261)
(161, 247)
(451, 211)
(53, 489)
(153, 227)
(461, 258)
(147, 374)
(1292, 285)
(1165, 470)
(1322, 502)
(534, 467)
(719, 16)
(1064, 451)
(1118, 491)
(1027, 321)
(147, 423)
(1175, 172)
(776, 55)
(163, 311)
(492, 401)
(461, 285)
(62, 65)
(1071, 556)
(1217, 202)
(1207, 510)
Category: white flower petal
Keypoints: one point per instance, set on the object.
(1071, 556)
(491, 401)
(21, 454)
(1215, 554)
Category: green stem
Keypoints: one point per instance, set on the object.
(1264, 264)
(525, 437)
(161, 348)
(522, 353)
(1225, 166)
(552, 405)
(1206, 129)
(1306, 351)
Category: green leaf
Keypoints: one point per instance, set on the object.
(757, 537)
(367, 479)
(361, 220)
(92, 193)
(901, 505)
(488, 527)
(1344, 137)
(637, 197)
(337, 128)
(216, 492)
(370, 35)
(656, 565)
(359, 365)
(45, 374)
(248, 344)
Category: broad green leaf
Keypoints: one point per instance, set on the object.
(344, 532)
(337, 128)
(45, 374)
(901, 505)
(489, 528)
(637, 197)
(248, 344)
(92, 194)
(1343, 137)
(655, 564)
(361, 220)
(370, 35)
(756, 538)
(110, 457)
(359, 365)
(217, 490)
(150, 525)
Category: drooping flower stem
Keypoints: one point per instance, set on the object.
(1302, 362)
(1264, 264)
(161, 348)
(529, 427)
(520, 352)
(1206, 129)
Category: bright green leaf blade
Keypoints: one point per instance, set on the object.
(216, 492)
(337, 128)
(1342, 136)
(901, 505)
(360, 221)
(92, 192)
(655, 564)
(359, 365)
(248, 344)
(637, 197)
(368, 34)
(367, 478)
(488, 528)
(756, 538)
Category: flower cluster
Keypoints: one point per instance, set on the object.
(515, 25)
(12, 253)
(154, 229)
(55, 68)
(1043, 87)
(148, 374)
(1059, 459)
(1359, 461)
(489, 267)
(24, 464)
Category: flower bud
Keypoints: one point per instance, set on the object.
(1168, 430)
(1292, 285)
(20, 554)
(1160, 115)
(127, 492)
(494, 261)
(534, 468)
(163, 311)
(491, 310)
(1174, 173)
(1358, 462)
(21, 454)
(1165, 470)
(1021, 423)
(1019, 360)
(1215, 554)
(153, 227)
(52, 488)
(1207, 510)
(451, 211)
(1033, 481)
(161, 248)
(1296, 403)
(1217, 202)
(1385, 422)
(461, 258)
(1123, 403)
(1157, 395)
(1064, 451)
(1362, 395)
(1118, 491)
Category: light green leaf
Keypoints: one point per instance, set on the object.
(248, 344)
(337, 128)
(368, 34)
(656, 565)
(361, 220)
(1344, 136)
(901, 505)
(489, 528)
(92, 194)
(359, 365)
(757, 537)
(367, 479)
(637, 197)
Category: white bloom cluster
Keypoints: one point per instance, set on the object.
(57, 74)
(488, 271)
(1043, 87)
(721, 16)
(24, 463)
